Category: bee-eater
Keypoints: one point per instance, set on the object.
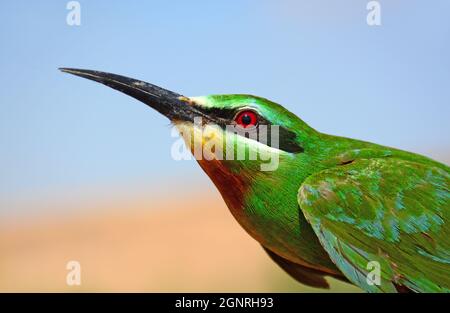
(333, 206)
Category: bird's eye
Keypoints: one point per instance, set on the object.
(246, 119)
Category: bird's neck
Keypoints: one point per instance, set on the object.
(265, 204)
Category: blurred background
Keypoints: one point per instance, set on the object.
(86, 173)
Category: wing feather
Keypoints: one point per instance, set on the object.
(390, 211)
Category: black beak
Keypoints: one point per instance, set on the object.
(170, 104)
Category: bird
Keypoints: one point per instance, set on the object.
(331, 207)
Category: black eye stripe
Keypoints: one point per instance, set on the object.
(224, 117)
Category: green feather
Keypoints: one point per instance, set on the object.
(333, 204)
(357, 202)
(388, 210)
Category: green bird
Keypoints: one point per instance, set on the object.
(375, 216)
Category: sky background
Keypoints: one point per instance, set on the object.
(66, 137)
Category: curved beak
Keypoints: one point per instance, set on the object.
(170, 104)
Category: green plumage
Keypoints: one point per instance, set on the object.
(365, 202)
(389, 210)
(333, 206)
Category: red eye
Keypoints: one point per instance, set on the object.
(246, 119)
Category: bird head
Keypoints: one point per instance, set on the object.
(234, 138)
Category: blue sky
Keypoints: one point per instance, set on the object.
(386, 84)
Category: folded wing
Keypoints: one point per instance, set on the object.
(388, 212)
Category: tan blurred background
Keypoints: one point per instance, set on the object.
(184, 242)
